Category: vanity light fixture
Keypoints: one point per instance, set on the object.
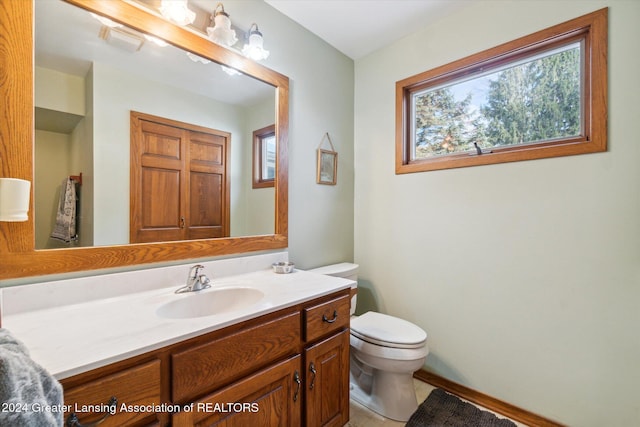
(156, 40)
(177, 11)
(196, 58)
(254, 48)
(106, 21)
(230, 71)
(14, 199)
(221, 32)
(122, 38)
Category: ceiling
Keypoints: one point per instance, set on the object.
(359, 27)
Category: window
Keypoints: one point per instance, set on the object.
(543, 95)
(264, 157)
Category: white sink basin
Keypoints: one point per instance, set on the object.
(210, 302)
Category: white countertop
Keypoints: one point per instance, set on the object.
(70, 339)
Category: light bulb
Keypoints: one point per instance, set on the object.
(221, 32)
(254, 48)
(177, 11)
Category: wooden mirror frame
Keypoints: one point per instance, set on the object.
(18, 257)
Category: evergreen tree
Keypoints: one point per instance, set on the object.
(535, 101)
(443, 125)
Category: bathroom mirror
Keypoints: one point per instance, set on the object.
(89, 77)
(19, 257)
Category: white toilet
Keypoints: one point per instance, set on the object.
(385, 352)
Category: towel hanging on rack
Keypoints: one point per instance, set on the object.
(65, 227)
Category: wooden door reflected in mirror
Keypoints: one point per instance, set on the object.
(179, 184)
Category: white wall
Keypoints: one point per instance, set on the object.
(526, 275)
(260, 210)
(59, 91)
(84, 133)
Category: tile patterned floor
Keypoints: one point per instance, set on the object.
(362, 417)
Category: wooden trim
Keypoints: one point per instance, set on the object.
(592, 28)
(18, 257)
(16, 115)
(508, 410)
(258, 160)
(282, 165)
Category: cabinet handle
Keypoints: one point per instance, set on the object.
(72, 420)
(296, 378)
(312, 369)
(335, 316)
(181, 222)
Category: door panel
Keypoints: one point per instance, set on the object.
(179, 185)
(206, 206)
(162, 141)
(209, 194)
(160, 212)
(157, 182)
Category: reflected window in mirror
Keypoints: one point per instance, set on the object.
(264, 157)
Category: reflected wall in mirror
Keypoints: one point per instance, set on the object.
(17, 240)
(88, 77)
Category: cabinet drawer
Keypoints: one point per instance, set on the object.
(327, 317)
(206, 367)
(139, 385)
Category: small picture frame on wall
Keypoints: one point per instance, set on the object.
(327, 167)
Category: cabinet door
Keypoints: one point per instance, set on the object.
(270, 398)
(327, 381)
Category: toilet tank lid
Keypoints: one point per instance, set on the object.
(343, 269)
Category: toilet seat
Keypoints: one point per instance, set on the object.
(387, 331)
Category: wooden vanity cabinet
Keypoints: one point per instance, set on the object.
(289, 368)
(327, 362)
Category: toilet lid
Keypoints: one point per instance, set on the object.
(388, 331)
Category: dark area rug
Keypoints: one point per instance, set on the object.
(443, 409)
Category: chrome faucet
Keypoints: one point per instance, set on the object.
(195, 280)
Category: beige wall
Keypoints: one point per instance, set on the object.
(52, 165)
(258, 219)
(526, 275)
(320, 101)
(59, 91)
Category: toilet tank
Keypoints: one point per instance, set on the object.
(346, 270)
